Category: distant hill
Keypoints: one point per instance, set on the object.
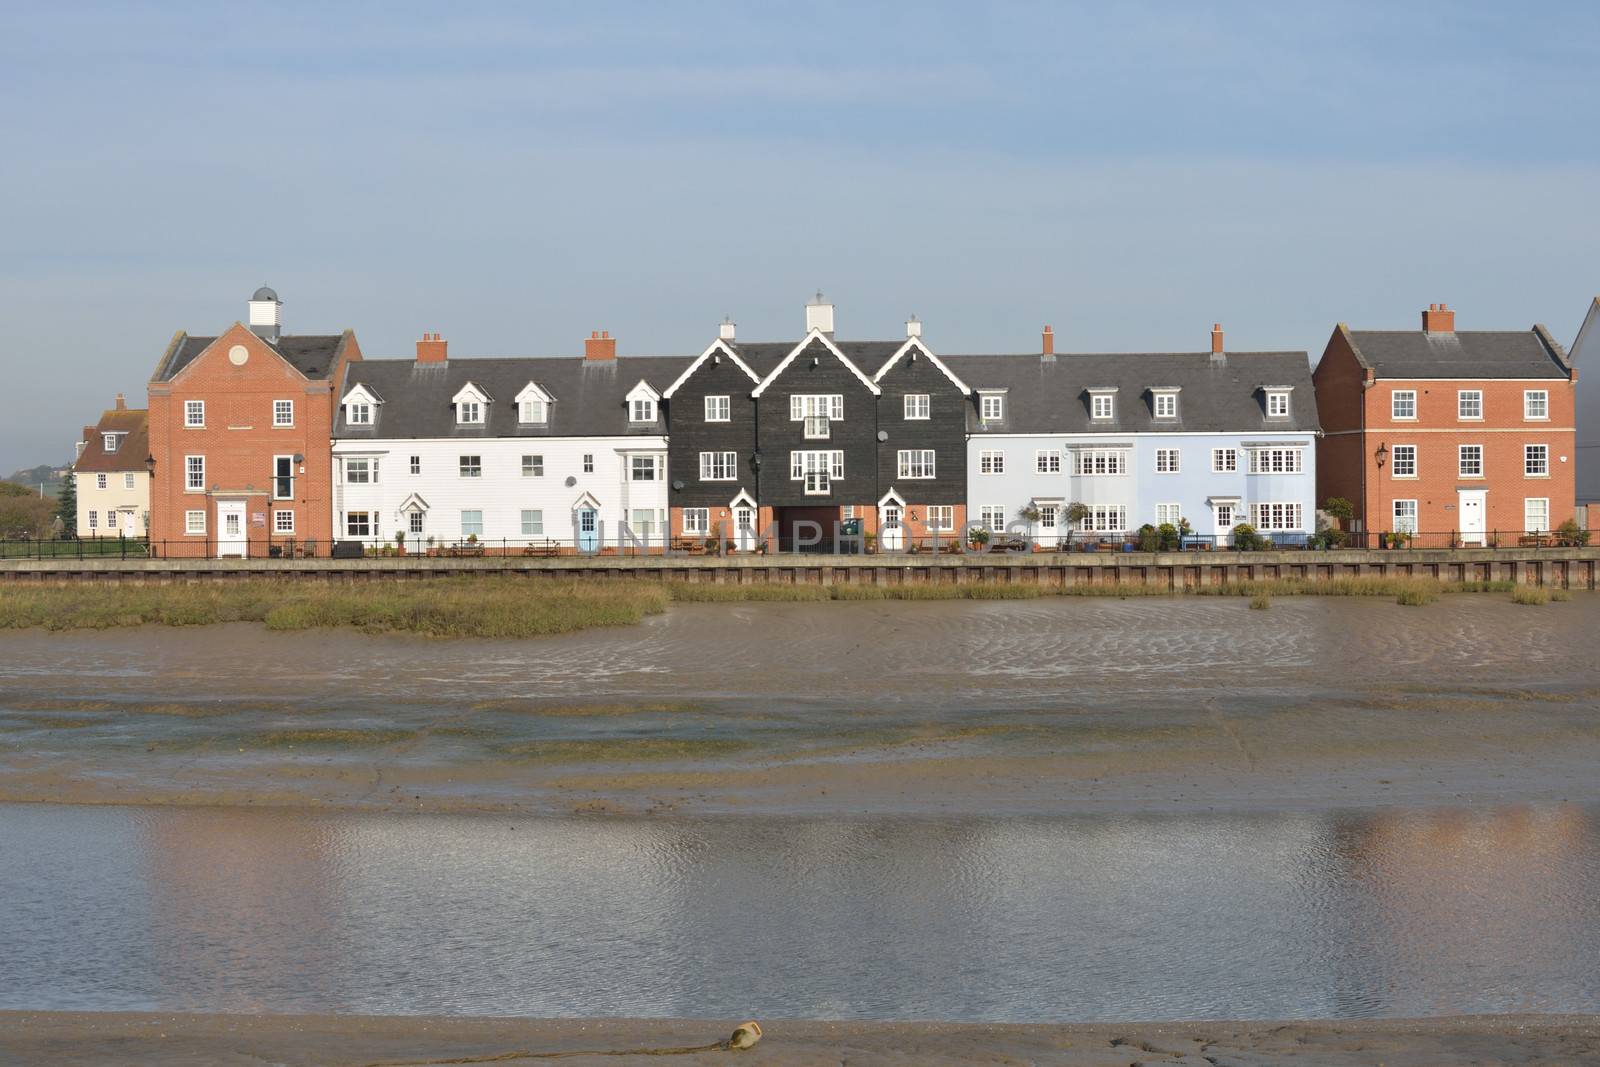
(32, 477)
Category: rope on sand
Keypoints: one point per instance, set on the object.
(746, 1035)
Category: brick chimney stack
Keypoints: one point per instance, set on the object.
(432, 349)
(122, 402)
(599, 345)
(1049, 342)
(1216, 338)
(1438, 319)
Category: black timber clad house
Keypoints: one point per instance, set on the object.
(813, 436)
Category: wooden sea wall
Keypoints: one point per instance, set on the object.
(1572, 568)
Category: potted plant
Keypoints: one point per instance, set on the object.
(1028, 513)
(1245, 538)
(400, 542)
(1149, 538)
(1168, 538)
(869, 542)
(1570, 534)
(977, 538)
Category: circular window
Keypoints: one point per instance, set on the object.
(238, 354)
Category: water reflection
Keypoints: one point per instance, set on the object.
(1095, 917)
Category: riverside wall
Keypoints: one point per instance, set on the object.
(1573, 568)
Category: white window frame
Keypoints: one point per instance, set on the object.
(128, 480)
(918, 406)
(803, 406)
(283, 520)
(469, 470)
(1406, 397)
(1536, 461)
(194, 474)
(350, 526)
(1528, 522)
(469, 413)
(1105, 518)
(1049, 516)
(358, 413)
(279, 418)
(1466, 397)
(719, 466)
(1280, 459)
(817, 469)
(1169, 514)
(916, 463)
(1224, 460)
(992, 407)
(194, 522)
(478, 522)
(1165, 404)
(1278, 516)
(1404, 516)
(1277, 404)
(1102, 406)
(1099, 462)
(696, 522)
(1536, 399)
(194, 414)
(719, 409)
(94, 519)
(108, 442)
(102, 481)
(1461, 461)
(588, 463)
(358, 470)
(992, 461)
(1047, 461)
(534, 526)
(533, 411)
(642, 410)
(644, 468)
(1409, 460)
(941, 517)
(533, 465)
(1169, 461)
(993, 517)
(416, 465)
(416, 521)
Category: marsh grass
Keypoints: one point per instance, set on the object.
(621, 749)
(1260, 602)
(1560, 594)
(510, 607)
(327, 736)
(1529, 595)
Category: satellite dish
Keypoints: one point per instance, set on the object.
(677, 485)
(883, 435)
(571, 481)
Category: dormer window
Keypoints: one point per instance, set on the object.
(533, 406)
(643, 409)
(1164, 403)
(110, 442)
(992, 407)
(472, 405)
(1102, 404)
(1277, 403)
(358, 413)
(469, 413)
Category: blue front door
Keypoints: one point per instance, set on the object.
(588, 529)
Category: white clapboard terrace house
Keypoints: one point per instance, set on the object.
(554, 454)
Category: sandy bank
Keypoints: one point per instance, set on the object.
(101, 1040)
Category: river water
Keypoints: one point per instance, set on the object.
(1113, 917)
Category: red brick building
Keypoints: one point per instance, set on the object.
(241, 434)
(1449, 435)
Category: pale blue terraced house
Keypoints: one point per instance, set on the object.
(1217, 438)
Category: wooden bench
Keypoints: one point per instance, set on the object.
(690, 546)
(544, 548)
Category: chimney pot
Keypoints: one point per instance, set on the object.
(726, 331)
(431, 349)
(600, 345)
(1216, 338)
(1049, 341)
(122, 402)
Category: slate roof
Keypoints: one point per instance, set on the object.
(131, 451)
(1046, 395)
(763, 357)
(589, 396)
(1469, 354)
(310, 354)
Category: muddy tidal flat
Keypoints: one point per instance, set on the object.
(1040, 707)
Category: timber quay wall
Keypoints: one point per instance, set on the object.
(1571, 568)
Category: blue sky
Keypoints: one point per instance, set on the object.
(516, 175)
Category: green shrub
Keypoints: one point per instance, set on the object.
(1570, 533)
(1171, 539)
(1245, 539)
(1149, 538)
(1529, 595)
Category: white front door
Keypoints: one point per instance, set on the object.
(744, 526)
(893, 535)
(1470, 506)
(1226, 521)
(230, 528)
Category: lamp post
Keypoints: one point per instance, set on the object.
(1381, 455)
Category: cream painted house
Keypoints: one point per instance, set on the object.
(113, 480)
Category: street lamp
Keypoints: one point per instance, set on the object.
(1381, 454)
(150, 466)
